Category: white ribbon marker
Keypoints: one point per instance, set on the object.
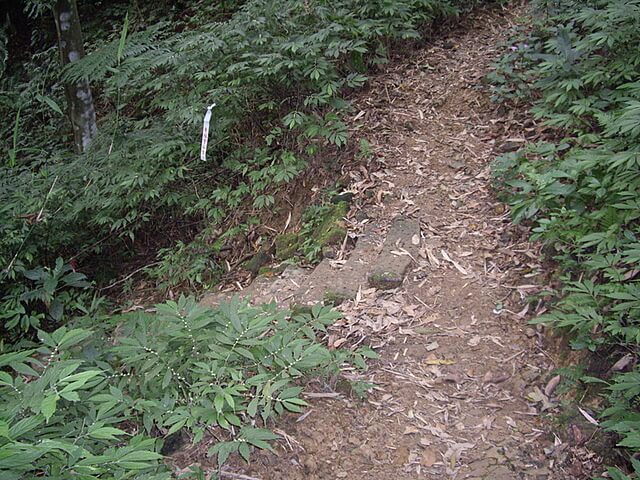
(205, 133)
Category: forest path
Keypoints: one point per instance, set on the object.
(457, 358)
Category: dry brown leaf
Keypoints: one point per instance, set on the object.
(458, 267)
(623, 363)
(474, 341)
(551, 385)
(438, 361)
(432, 346)
(589, 418)
(496, 377)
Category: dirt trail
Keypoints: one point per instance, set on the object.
(458, 359)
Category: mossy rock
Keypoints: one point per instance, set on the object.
(385, 280)
(257, 261)
(334, 298)
(287, 244)
(332, 229)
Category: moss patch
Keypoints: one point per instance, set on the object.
(331, 229)
(385, 280)
(287, 245)
(334, 298)
(272, 271)
(258, 260)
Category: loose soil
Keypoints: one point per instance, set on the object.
(463, 384)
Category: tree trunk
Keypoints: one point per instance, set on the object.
(79, 98)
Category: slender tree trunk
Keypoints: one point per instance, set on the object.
(79, 98)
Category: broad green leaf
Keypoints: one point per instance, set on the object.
(106, 433)
(48, 406)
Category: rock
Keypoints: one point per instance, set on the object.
(258, 260)
(396, 256)
(343, 197)
(510, 146)
(332, 230)
(328, 252)
(335, 297)
(339, 281)
(385, 280)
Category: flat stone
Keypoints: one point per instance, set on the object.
(332, 282)
(264, 289)
(397, 255)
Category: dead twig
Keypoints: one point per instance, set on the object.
(238, 476)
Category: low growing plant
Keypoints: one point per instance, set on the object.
(81, 405)
(580, 192)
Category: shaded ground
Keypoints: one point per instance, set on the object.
(463, 381)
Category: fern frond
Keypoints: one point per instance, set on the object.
(97, 65)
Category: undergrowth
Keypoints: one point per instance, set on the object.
(278, 73)
(93, 396)
(83, 404)
(580, 65)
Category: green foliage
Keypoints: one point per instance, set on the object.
(314, 216)
(277, 71)
(193, 265)
(580, 193)
(45, 293)
(55, 423)
(615, 474)
(80, 405)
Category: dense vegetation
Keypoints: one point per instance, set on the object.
(88, 395)
(580, 190)
(277, 72)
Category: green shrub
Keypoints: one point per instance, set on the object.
(81, 405)
(580, 194)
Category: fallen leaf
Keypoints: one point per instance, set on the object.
(496, 377)
(458, 267)
(551, 385)
(589, 418)
(623, 363)
(438, 361)
(537, 396)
